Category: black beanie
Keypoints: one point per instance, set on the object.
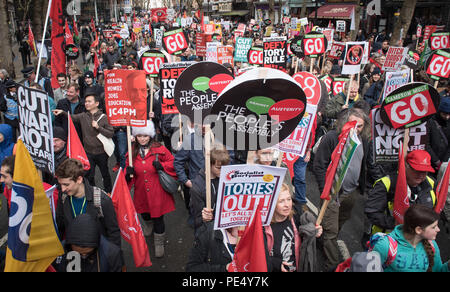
(59, 132)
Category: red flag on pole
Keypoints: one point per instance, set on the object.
(96, 64)
(68, 35)
(250, 253)
(128, 221)
(74, 147)
(442, 190)
(75, 28)
(58, 56)
(401, 200)
(31, 40)
(335, 158)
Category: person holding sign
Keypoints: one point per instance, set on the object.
(343, 100)
(420, 191)
(354, 181)
(197, 204)
(150, 199)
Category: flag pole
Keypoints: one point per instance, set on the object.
(43, 39)
(208, 165)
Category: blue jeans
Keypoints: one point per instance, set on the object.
(120, 140)
(299, 180)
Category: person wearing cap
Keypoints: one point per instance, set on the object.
(438, 129)
(150, 199)
(421, 190)
(29, 74)
(87, 250)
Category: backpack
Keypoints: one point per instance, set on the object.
(97, 201)
(392, 253)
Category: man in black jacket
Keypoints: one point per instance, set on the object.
(338, 212)
(72, 104)
(111, 57)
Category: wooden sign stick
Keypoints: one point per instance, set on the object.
(208, 165)
(130, 154)
(436, 83)
(350, 85)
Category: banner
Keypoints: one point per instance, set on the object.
(275, 53)
(243, 45)
(387, 140)
(243, 187)
(126, 97)
(35, 124)
(33, 243)
(168, 76)
(395, 58)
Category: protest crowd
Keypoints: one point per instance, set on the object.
(372, 121)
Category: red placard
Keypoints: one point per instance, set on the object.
(200, 44)
(338, 85)
(225, 55)
(159, 13)
(175, 41)
(126, 97)
(310, 85)
(313, 45)
(439, 64)
(151, 61)
(255, 56)
(336, 50)
(416, 105)
(440, 40)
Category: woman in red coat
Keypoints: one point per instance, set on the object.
(150, 199)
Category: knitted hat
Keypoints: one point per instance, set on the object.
(444, 106)
(59, 132)
(148, 130)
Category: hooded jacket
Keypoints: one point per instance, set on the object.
(7, 146)
(408, 258)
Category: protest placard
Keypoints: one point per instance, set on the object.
(225, 55)
(410, 105)
(168, 75)
(255, 56)
(242, 188)
(35, 125)
(394, 80)
(386, 140)
(198, 87)
(258, 109)
(440, 40)
(438, 64)
(126, 97)
(337, 49)
(175, 41)
(200, 44)
(151, 61)
(243, 45)
(275, 53)
(395, 58)
(354, 53)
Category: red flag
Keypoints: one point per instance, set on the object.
(96, 64)
(129, 225)
(31, 40)
(58, 56)
(75, 28)
(68, 35)
(442, 190)
(401, 200)
(250, 253)
(335, 157)
(74, 147)
(92, 24)
(95, 42)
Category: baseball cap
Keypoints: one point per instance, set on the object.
(419, 160)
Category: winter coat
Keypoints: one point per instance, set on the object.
(408, 258)
(438, 143)
(372, 95)
(376, 207)
(91, 144)
(209, 252)
(7, 145)
(149, 196)
(322, 159)
(198, 197)
(108, 223)
(111, 58)
(191, 152)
